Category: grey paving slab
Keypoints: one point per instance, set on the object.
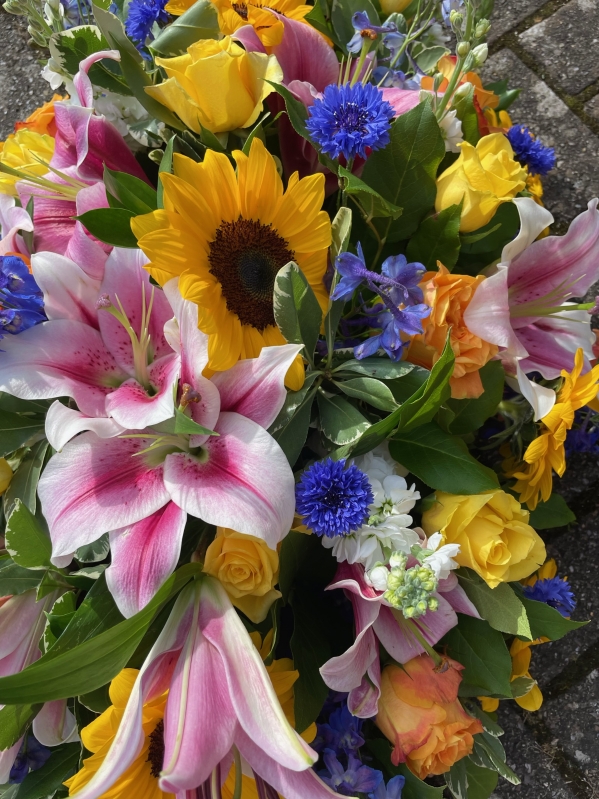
(508, 13)
(566, 44)
(576, 179)
(592, 107)
(22, 89)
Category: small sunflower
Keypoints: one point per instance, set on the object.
(225, 235)
(269, 29)
(140, 780)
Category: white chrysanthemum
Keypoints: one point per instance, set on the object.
(451, 130)
(440, 559)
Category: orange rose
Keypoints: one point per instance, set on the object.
(42, 119)
(449, 296)
(420, 714)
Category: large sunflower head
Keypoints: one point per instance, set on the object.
(225, 234)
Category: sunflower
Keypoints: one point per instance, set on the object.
(140, 780)
(225, 235)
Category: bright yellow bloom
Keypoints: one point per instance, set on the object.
(499, 121)
(521, 654)
(493, 533)
(483, 177)
(21, 151)
(247, 569)
(226, 235)
(5, 475)
(217, 85)
(140, 780)
(546, 454)
(269, 29)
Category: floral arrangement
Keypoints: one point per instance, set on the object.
(288, 360)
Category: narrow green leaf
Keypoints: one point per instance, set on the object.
(466, 780)
(292, 433)
(27, 542)
(293, 400)
(16, 430)
(110, 225)
(437, 239)
(428, 57)
(256, 131)
(296, 110)
(16, 580)
(369, 390)
(491, 755)
(180, 423)
(134, 194)
(381, 368)
(340, 421)
(166, 165)
(522, 686)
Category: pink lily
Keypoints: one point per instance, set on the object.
(358, 669)
(85, 142)
(140, 486)
(523, 307)
(219, 697)
(13, 219)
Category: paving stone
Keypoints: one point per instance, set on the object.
(592, 107)
(566, 44)
(23, 88)
(508, 13)
(576, 179)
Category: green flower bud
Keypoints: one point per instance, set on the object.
(463, 49)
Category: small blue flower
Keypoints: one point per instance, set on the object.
(392, 791)
(21, 301)
(554, 592)
(394, 78)
(398, 280)
(348, 120)
(355, 778)
(332, 499)
(142, 15)
(364, 29)
(341, 734)
(31, 756)
(76, 12)
(530, 151)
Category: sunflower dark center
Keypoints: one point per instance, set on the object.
(241, 9)
(245, 257)
(156, 749)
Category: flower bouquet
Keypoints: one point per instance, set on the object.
(288, 361)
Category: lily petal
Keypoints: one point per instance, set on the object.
(55, 724)
(63, 424)
(488, 314)
(534, 218)
(69, 293)
(552, 343)
(540, 397)
(131, 406)
(394, 632)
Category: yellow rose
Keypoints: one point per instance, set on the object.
(493, 533)
(19, 151)
(217, 85)
(247, 569)
(5, 475)
(484, 177)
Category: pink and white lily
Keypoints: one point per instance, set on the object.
(219, 697)
(13, 220)
(357, 671)
(524, 307)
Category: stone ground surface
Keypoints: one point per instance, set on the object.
(551, 50)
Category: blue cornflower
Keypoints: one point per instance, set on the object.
(364, 29)
(530, 151)
(31, 756)
(348, 120)
(332, 499)
(342, 733)
(554, 592)
(21, 300)
(355, 778)
(392, 791)
(141, 16)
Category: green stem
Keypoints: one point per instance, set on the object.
(457, 73)
(238, 774)
(361, 60)
(424, 643)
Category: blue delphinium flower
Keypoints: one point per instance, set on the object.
(342, 733)
(76, 12)
(391, 326)
(364, 29)
(394, 78)
(530, 151)
(351, 780)
(348, 120)
(31, 756)
(141, 16)
(21, 301)
(392, 790)
(554, 592)
(332, 499)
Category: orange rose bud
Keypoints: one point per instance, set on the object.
(420, 714)
(449, 296)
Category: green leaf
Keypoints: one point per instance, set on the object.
(522, 686)
(27, 542)
(441, 460)
(292, 402)
(466, 780)
(59, 618)
(486, 244)
(381, 368)
(62, 763)
(182, 424)
(256, 131)
(198, 22)
(545, 621)
(414, 788)
(166, 165)
(428, 57)
(485, 657)
(553, 513)
(470, 414)
(134, 194)
(92, 553)
(293, 430)
(311, 649)
(23, 485)
(341, 231)
(489, 725)
(15, 579)
(339, 420)
(297, 550)
(97, 701)
(369, 390)
(316, 18)
(404, 172)
(437, 239)
(110, 225)
(94, 662)
(489, 753)
(341, 17)
(16, 430)
(14, 721)
(466, 113)
(499, 606)
(296, 309)
(371, 201)
(296, 110)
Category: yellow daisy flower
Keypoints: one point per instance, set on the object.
(546, 454)
(140, 780)
(225, 234)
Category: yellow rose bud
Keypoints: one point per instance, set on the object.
(5, 475)
(247, 569)
(217, 85)
(19, 151)
(493, 533)
(484, 177)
